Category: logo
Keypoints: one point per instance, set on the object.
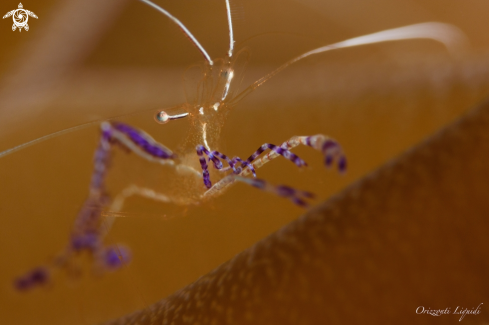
(20, 17)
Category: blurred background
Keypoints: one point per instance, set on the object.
(83, 61)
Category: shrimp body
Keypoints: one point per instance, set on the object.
(198, 170)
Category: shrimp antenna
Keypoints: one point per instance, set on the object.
(24, 145)
(449, 35)
(230, 24)
(46, 137)
(183, 28)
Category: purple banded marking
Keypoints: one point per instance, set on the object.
(298, 197)
(300, 202)
(205, 172)
(240, 169)
(308, 195)
(330, 144)
(89, 215)
(328, 160)
(88, 240)
(38, 276)
(106, 132)
(215, 160)
(100, 162)
(101, 158)
(285, 191)
(217, 163)
(114, 257)
(332, 149)
(148, 145)
(222, 156)
(214, 156)
(279, 150)
(294, 195)
(308, 141)
(342, 164)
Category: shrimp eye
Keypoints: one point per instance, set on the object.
(162, 117)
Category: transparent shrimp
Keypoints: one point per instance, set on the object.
(212, 93)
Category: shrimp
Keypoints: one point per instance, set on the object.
(200, 171)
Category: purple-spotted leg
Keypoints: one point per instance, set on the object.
(205, 171)
(142, 144)
(87, 233)
(231, 162)
(296, 196)
(276, 150)
(329, 147)
(37, 277)
(87, 229)
(201, 151)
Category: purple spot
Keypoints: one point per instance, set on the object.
(329, 144)
(142, 142)
(100, 154)
(342, 164)
(35, 277)
(39, 276)
(155, 151)
(203, 164)
(22, 283)
(308, 141)
(285, 191)
(207, 181)
(329, 160)
(115, 257)
(299, 202)
(112, 259)
(279, 150)
(308, 195)
(217, 162)
(97, 181)
(296, 160)
(107, 134)
(199, 149)
(87, 240)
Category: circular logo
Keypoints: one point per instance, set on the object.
(20, 18)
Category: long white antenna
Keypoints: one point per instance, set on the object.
(230, 24)
(183, 28)
(46, 137)
(451, 36)
(446, 34)
(161, 117)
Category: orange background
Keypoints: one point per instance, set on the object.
(83, 60)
